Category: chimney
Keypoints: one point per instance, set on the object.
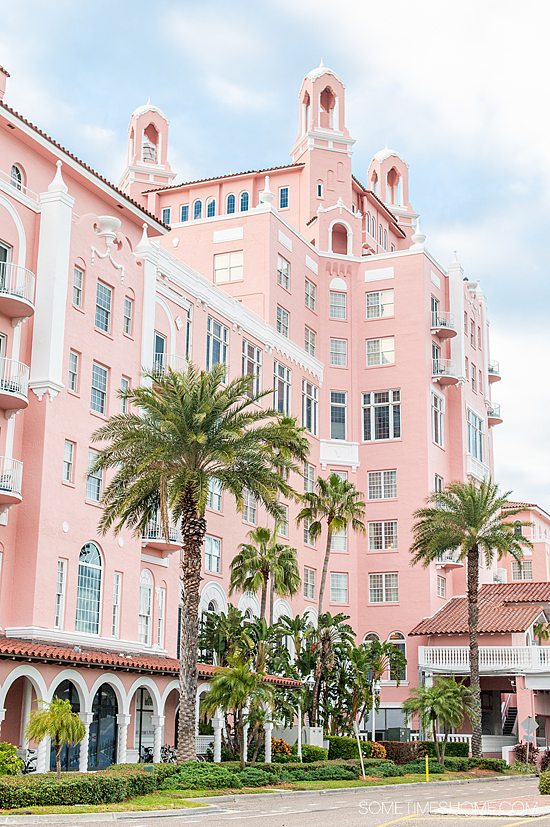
(4, 75)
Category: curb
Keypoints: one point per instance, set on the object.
(90, 818)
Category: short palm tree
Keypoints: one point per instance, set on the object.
(338, 504)
(184, 430)
(541, 631)
(223, 634)
(442, 705)
(56, 720)
(332, 633)
(469, 520)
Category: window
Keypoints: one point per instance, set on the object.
(337, 305)
(211, 208)
(88, 593)
(16, 177)
(283, 272)
(339, 540)
(197, 209)
(475, 435)
(397, 639)
(309, 477)
(124, 388)
(230, 205)
(94, 481)
(381, 415)
(252, 366)
(384, 588)
(103, 304)
(145, 607)
(128, 319)
(438, 419)
(309, 583)
(117, 594)
(380, 304)
(473, 373)
(310, 341)
(283, 321)
(382, 485)
(78, 286)
(250, 508)
(339, 352)
(383, 535)
(337, 415)
(308, 539)
(60, 594)
(98, 400)
(283, 198)
(217, 337)
(228, 267)
(282, 529)
(319, 189)
(166, 215)
(212, 554)
(465, 323)
(441, 586)
(184, 213)
(381, 351)
(472, 333)
(438, 483)
(310, 396)
(282, 388)
(244, 202)
(161, 611)
(339, 587)
(310, 295)
(522, 570)
(480, 381)
(68, 461)
(214, 497)
(74, 359)
(479, 338)
(159, 350)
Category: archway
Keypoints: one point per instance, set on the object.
(103, 728)
(70, 755)
(339, 242)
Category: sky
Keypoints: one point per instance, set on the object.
(460, 90)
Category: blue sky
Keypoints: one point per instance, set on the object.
(460, 90)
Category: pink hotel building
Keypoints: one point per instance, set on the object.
(318, 284)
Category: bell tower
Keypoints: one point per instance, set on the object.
(147, 164)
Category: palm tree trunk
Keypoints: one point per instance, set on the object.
(473, 616)
(263, 599)
(193, 529)
(240, 729)
(271, 595)
(58, 747)
(325, 570)
(436, 743)
(316, 692)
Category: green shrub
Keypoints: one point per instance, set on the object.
(495, 764)
(104, 787)
(401, 752)
(545, 761)
(381, 768)
(338, 772)
(10, 763)
(310, 753)
(253, 777)
(281, 758)
(200, 775)
(457, 764)
(341, 746)
(544, 783)
(419, 766)
(456, 749)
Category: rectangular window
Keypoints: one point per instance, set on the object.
(382, 485)
(184, 213)
(166, 215)
(124, 388)
(117, 595)
(74, 359)
(339, 540)
(379, 304)
(214, 497)
(283, 272)
(438, 483)
(338, 415)
(339, 352)
(309, 583)
(309, 477)
(283, 321)
(441, 586)
(339, 592)
(480, 381)
(438, 419)
(283, 198)
(311, 295)
(228, 267)
(94, 481)
(522, 570)
(381, 415)
(384, 588)
(68, 461)
(78, 286)
(473, 371)
(381, 351)
(250, 508)
(383, 535)
(472, 333)
(475, 436)
(310, 404)
(337, 305)
(103, 307)
(479, 338)
(212, 554)
(217, 338)
(310, 341)
(161, 611)
(98, 400)
(465, 323)
(60, 594)
(282, 388)
(252, 367)
(308, 539)
(159, 350)
(128, 320)
(283, 522)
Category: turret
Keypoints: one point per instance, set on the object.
(148, 164)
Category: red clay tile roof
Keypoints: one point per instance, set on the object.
(30, 650)
(521, 506)
(227, 175)
(5, 71)
(503, 608)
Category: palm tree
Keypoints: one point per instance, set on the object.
(223, 634)
(468, 519)
(186, 429)
(57, 721)
(267, 566)
(443, 704)
(331, 634)
(541, 631)
(337, 503)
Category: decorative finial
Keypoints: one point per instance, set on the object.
(144, 242)
(321, 65)
(57, 183)
(418, 238)
(148, 100)
(266, 196)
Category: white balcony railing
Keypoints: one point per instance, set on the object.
(452, 737)
(154, 533)
(492, 659)
(11, 477)
(442, 320)
(476, 468)
(202, 742)
(7, 178)
(14, 377)
(443, 368)
(16, 281)
(494, 368)
(163, 361)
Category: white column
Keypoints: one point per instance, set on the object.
(43, 755)
(245, 739)
(147, 254)
(86, 718)
(26, 712)
(268, 729)
(2, 717)
(158, 735)
(217, 723)
(299, 732)
(456, 301)
(122, 721)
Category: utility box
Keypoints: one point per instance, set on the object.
(398, 733)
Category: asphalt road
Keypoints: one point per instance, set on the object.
(470, 805)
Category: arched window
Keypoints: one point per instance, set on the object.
(197, 209)
(88, 594)
(211, 208)
(397, 639)
(373, 228)
(327, 102)
(150, 144)
(305, 112)
(374, 182)
(385, 239)
(230, 208)
(339, 239)
(380, 230)
(244, 202)
(394, 188)
(145, 607)
(371, 637)
(16, 176)
(368, 222)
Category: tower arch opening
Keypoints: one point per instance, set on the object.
(340, 239)
(327, 100)
(150, 143)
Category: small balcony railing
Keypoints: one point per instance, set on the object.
(477, 469)
(443, 324)
(493, 414)
(492, 659)
(493, 371)
(449, 560)
(155, 537)
(11, 480)
(14, 384)
(164, 361)
(444, 371)
(17, 286)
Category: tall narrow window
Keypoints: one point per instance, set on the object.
(282, 529)
(283, 321)
(310, 295)
(217, 338)
(128, 320)
(310, 341)
(184, 213)
(166, 215)
(338, 415)
(339, 540)
(212, 554)
(94, 480)
(197, 209)
(161, 612)
(438, 483)
(438, 421)
(68, 461)
(339, 352)
(252, 366)
(103, 307)
(337, 305)
(381, 415)
(339, 590)
(283, 272)
(230, 204)
(475, 435)
(16, 177)
(78, 286)
(228, 267)
(117, 599)
(98, 400)
(381, 351)
(282, 386)
(159, 350)
(214, 497)
(211, 208)
(441, 586)
(250, 508)
(60, 594)
(310, 396)
(88, 592)
(309, 477)
(244, 201)
(124, 388)
(283, 198)
(74, 361)
(145, 607)
(309, 583)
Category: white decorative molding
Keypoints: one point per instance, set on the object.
(231, 234)
(155, 561)
(40, 388)
(78, 639)
(285, 240)
(339, 452)
(379, 274)
(338, 283)
(435, 279)
(109, 225)
(311, 264)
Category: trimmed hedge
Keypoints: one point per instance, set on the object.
(403, 752)
(311, 753)
(544, 783)
(419, 766)
(455, 749)
(495, 764)
(200, 775)
(254, 777)
(342, 746)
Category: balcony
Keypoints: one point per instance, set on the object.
(449, 560)
(476, 469)
(14, 385)
(444, 372)
(165, 361)
(443, 325)
(493, 660)
(494, 371)
(493, 414)
(16, 291)
(11, 478)
(154, 537)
